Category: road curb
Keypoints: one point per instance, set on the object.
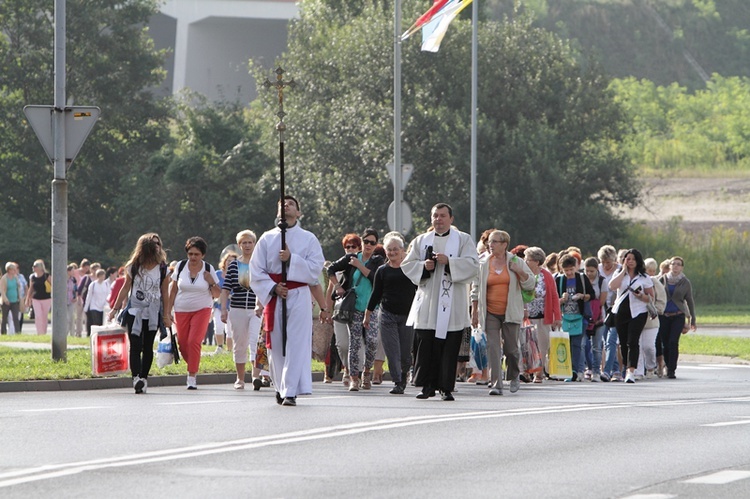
(119, 382)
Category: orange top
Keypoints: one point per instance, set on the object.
(497, 291)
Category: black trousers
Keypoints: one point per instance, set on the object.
(670, 330)
(629, 331)
(435, 359)
(141, 348)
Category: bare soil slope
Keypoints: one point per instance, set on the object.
(702, 203)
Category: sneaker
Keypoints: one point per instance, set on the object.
(138, 384)
(192, 383)
(366, 381)
(595, 377)
(257, 384)
(514, 385)
(397, 390)
(327, 379)
(145, 385)
(649, 373)
(604, 377)
(496, 391)
(279, 400)
(538, 378)
(266, 382)
(617, 376)
(239, 384)
(575, 377)
(447, 397)
(354, 384)
(219, 350)
(630, 377)
(587, 374)
(290, 401)
(346, 380)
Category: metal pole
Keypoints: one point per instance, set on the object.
(474, 85)
(398, 221)
(59, 197)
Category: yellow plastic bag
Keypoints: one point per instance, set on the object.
(560, 363)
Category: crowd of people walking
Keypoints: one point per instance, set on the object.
(413, 304)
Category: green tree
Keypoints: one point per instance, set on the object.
(111, 63)
(211, 179)
(550, 162)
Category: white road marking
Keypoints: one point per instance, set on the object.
(56, 409)
(721, 477)
(730, 423)
(704, 367)
(651, 496)
(27, 475)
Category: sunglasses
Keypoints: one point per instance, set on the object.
(351, 246)
(369, 242)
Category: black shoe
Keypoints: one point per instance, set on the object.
(426, 393)
(257, 383)
(279, 400)
(447, 396)
(290, 401)
(266, 383)
(671, 375)
(139, 385)
(397, 390)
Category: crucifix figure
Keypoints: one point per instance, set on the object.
(280, 85)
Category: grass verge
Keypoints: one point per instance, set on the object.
(24, 364)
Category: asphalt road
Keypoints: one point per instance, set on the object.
(686, 438)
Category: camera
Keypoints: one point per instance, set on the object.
(430, 254)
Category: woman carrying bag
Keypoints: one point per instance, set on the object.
(145, 291)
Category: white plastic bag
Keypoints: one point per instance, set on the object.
(164, 354)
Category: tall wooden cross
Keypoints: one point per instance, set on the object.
(280, 85)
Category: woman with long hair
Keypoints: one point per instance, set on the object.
(634, 290)
(145, 290)
(672, 324)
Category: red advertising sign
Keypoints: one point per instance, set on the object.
(109, 350)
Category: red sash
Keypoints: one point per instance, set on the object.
(270, 309)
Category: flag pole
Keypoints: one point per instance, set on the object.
(474, 87)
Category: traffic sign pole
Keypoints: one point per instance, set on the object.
(59, 198)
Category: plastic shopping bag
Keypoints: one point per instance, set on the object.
(479, 349)
(560, 363)
(531, 358)
(166, 351)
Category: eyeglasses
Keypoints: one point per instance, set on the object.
(369, 242)
(351, 246)
(496, 241)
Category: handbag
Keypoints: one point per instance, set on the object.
(652, 312)
(343, 309)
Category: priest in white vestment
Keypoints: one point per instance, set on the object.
(443, 262)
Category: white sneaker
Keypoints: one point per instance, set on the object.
(145, 385)
(630, 377)
(192, 384)
(219, 350)
(138, 384)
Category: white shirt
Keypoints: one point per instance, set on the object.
(637, 307)
(193, 295)
(96, 299)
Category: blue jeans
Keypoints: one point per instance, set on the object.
(576, 353)
(610, 350)
(595, 351)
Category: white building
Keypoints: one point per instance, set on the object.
(211, 41)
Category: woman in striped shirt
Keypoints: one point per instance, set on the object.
(241, 311)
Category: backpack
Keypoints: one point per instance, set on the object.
(181, 266)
